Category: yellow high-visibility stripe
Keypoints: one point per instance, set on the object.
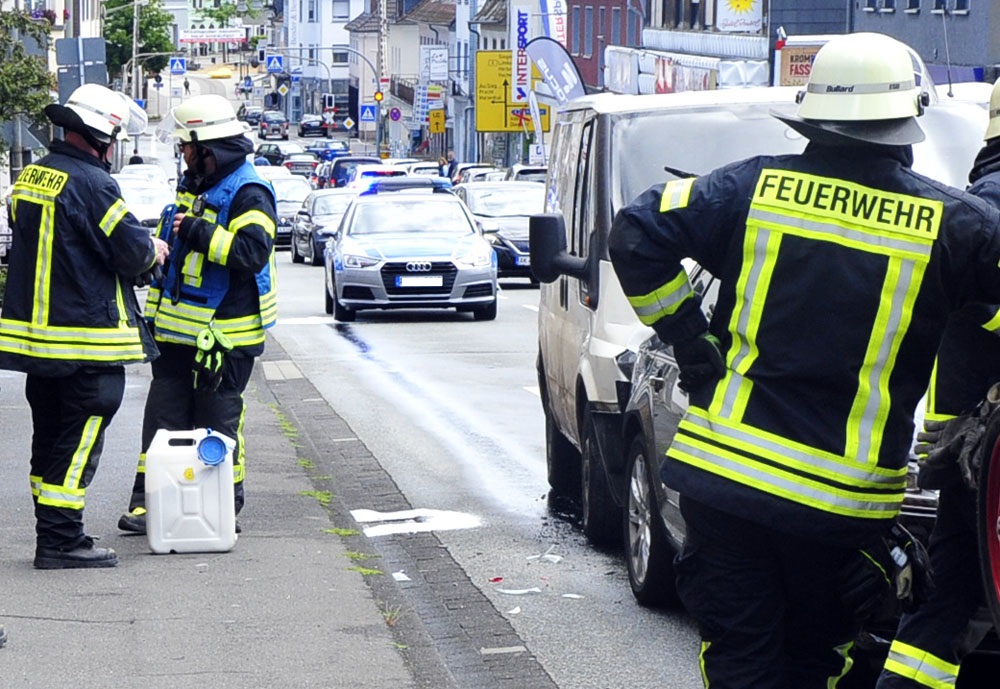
(676, 194)
(662, 301)
(113, 216)
(253, 217)
(88, 438)
(219, 246)
(922, 667)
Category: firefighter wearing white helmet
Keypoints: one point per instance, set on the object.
(931, 642)
(217, 295)
(837, 270)
(71, 320)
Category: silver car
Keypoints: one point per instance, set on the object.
(413, 248)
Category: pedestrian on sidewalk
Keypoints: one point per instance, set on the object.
(71, 320)
(136, 159)
(215, 299)
(187, 87)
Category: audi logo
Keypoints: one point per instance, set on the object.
(418, 267)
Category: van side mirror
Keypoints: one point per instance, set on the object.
(547, 242)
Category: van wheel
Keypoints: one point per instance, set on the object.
(600, 518)
(648, 555)
(561, 458)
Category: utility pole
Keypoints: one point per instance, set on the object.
(383, 31)
(136, 92)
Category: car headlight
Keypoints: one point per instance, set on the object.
(474, 257)
(355, 261)
(284, 221)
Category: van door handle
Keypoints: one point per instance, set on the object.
(657, 383)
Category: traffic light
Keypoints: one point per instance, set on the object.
(379, 96)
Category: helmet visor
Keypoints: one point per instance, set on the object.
(137, 119)
(166, 130)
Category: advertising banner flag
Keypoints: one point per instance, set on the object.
(520, 32)
(556, 67)
(554, 19)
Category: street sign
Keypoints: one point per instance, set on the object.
(248, 82)
(178, 65)
(275, 64)
(296, 78)
(328, 117)
(349, 123)
(140, 102)
(495, 111)
(435, 120)
(395, 114)
(283, 89)
(368, 113)
(158, 85)
(175, 92)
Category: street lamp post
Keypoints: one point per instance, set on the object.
(135, 49)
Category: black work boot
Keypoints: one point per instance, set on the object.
(84, 556)
(133, 521)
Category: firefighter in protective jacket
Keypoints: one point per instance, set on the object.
(838, 268)
(218, 294)
(71, 320)
(931, 642)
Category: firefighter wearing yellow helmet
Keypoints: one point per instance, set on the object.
(217, 295)
(71, 320)
(838, 268)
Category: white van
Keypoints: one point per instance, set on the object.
(607, 150)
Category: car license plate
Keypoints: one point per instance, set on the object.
(524, 260)
(419, 281)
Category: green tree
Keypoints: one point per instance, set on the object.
(25, 81)
(154, 34)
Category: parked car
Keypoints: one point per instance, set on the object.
(344, 165)
(271, 171)
(413, 248)
(273, 123)
(328, 149)
(503, 209)
(527, 173)
(250, 114)
(363, 176)
(462, 167)
(312, 125)
(300, 163)
(423, 167)
(144, 199)
(275, 154)
(151, 172)
(290, 192)
(316, 221)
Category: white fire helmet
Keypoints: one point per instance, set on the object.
(200, 118)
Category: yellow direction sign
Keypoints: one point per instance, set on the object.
(435, 118)
(494, 110)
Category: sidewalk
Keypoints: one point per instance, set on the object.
(282, 610)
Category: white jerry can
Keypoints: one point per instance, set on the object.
(189, 492)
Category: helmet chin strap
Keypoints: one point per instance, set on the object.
(202, 153)
(101, 147)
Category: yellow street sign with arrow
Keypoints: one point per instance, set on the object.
(494, 110)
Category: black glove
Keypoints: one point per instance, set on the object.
(953, 442)
(911, 569)
(866, 582)
(210, 359)
(147, 278)
(699, 361)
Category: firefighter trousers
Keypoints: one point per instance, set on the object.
(69, 415)
(174, 404)
(931, 642)
(766, 603)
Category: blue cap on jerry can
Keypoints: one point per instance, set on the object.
(212, 449)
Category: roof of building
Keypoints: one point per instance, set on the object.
(433, 12)
(492, 12)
